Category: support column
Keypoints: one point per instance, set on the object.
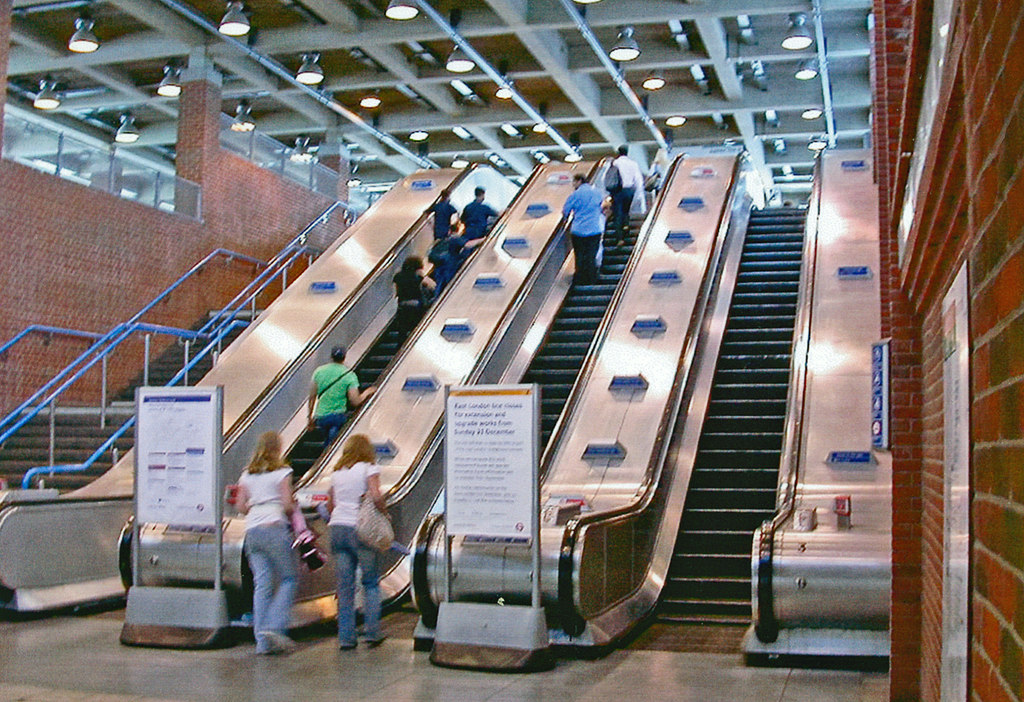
(199, 109)
(5, 47)
(334, 155)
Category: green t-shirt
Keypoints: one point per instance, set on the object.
(335, 399)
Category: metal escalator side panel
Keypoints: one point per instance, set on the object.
(846, 572)
(46, 572)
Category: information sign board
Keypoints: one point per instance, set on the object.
(177, 456)
(491, 462)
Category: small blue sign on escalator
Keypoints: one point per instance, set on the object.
(323, 287)
(853, 272)
(691, 203)
(421, 185)
(860, 458)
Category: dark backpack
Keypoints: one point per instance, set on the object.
(438, 252)
(613, 179)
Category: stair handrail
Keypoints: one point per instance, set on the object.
(49, 330)
(766, 626)
(26, 481)
(102, 345)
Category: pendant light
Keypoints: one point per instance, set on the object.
(309, 72)
(401, 10)
(625, 48)
(83, 41)
(234, 23)
(127, 133)
(47, 97)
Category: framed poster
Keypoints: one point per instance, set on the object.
(491, 456)
(178, 445)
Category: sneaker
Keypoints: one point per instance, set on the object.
(346, 646)
(374, 643)
(279, 643)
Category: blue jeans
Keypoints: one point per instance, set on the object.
(621, 203)
(331, 425)
(274, 573)
(348, 551)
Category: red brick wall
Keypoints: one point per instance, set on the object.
(971, 199)
(890, 59)
(77, 257)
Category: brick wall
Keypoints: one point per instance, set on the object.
(80, 258)
(994, 118)
(972, 196)
(890, 58)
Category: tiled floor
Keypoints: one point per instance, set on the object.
(79, 659)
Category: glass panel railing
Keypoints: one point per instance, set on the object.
(269, 153)
(50, 150)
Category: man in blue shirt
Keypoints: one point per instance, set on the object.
(587, 225)
(443, 212)
(476, 217)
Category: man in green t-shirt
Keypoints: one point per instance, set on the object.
(335, 389)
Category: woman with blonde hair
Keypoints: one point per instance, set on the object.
(265, 498)
(355, 475)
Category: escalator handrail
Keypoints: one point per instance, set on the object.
(765, 623)
(571, 620)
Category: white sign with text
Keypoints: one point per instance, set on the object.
(491, 462)
(177, 456)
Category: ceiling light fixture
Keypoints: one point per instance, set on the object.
(510, 129)
(234, 23)
(419, 135)
(799, 35)
(459, 162)
(625, 48)
(370, 102)
(808, 70)
(586, 2)
(401, 10)
(461, 87)
(47, 98)
(459, 62)
(811, 113)
(675, 121)
(817, 143)
(572, 158)
(243, 121)
(654, 81)
(309, 72)
(301, 153)
(83, 41)
(354, 182)
(504, 92)
(170, 84)
(540, 128)
(461, 132)
(127, 133)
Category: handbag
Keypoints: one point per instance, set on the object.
(305, 543)
(373, 527)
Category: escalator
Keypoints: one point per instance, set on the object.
(732, 487)
(559, 359)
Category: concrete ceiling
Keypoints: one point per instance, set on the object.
(734, 44)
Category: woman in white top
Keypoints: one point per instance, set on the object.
(265, 498)
(355, 475)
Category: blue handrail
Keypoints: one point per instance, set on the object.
(26, 481)
(121, 332)
(102, 345)
(44, 329)
(102, 340)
